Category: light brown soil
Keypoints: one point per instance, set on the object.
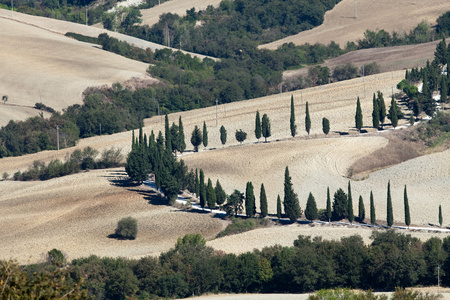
(340, 25)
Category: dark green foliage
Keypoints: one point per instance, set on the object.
(263, 202)
(406, 204)
(291, 204)
(202, 189)
(345, 72)
(375, 113)
(329, 212)
(197, 184)
(307, 119)
(340, 205)
(443, 24)
(292, 118)
(350, 215)
(440, 216)
(56, 258)
(167, 134)
(205, 135)
(325, 126)
(318, 75)
(311, 208)
(258, 128)
(181, 137)
(242, 225)
(240, 136)
(382, 107)
(127, 228)
(361, 210)
(250, 207)
(235, 203)
(358, 116)
(441, 54)
(371, 69)
(390, 214)
(393, 115)
(221, 196)
(265, 126)
(279, 207)
(42, 106)
(210, 195)
(223, 135)
(443, 90)
(196, 138)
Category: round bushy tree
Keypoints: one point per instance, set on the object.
(127, 228)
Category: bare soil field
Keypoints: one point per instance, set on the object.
(178, 7)
(341, 26)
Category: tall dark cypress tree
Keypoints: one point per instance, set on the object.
(292, 120)
(167, 135)
(307, 119)
(311, 208)
(440, 216)
(210, 195)
(390, 214)
(382, 107)
(373, 219)
(351, 216)
(223, 135)
(278, 207)
(406, 203)
(358, 116)
(202, 189)
(263, 202)
(250, 207)
(375, 113)
(221, 196)
(181, 137)
(291, 204)
(393, 115)
(329, 211)
(205, 135)
(361, 209)
(444, 91)
(196, 138)
(265, 126)
(197, 184)
(258, 129)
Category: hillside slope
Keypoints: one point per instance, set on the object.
(340, 25)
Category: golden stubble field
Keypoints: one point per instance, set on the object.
(76, 213)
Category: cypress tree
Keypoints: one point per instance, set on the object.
(258, 129)
(263, 201)
(375, 113)
(406, 203)
(351, 216)
(292, 120)
(444, 91)
(390, 214)
(221, 196)
(205, 135)
(181, 137)
(167, 135)
(325, 126)
(358, 116)
(373, 219)
(197, 184)
(210, 195)
(328, 205)
(196, 138)
(361, 210)
(311, 208)
(250, 209)
(278, 207)
(223, 135)
(133, 141)
(202, 189)
(291, 205)
(382, 107)
(440, 216)
(265, 126)
(393, 113)
(340, 205)
(307, 119)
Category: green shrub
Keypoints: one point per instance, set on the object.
(56, 257)
(127, 228)
(243, 225)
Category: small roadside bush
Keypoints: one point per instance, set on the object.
(242, 225)
(347, 71)
(127, 228)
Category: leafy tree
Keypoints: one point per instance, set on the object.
(345, 72)
(210, 195)
(258, 128)
(234, 204)
(127, 228)
(202, 189)
(361, 209)
(263, 201)
(406, 204)
(325, 126)
(375, 113)
(250, 207)
(291, 204)
(382, 107)
(373, 219)
(241, 135)
(351, 216)
(440, 216)
(307, 119)
(393, 113)
(358, 116)
(441, 52)
(4, 98)
(328, 205)
(390, 214)
(292, 119)
(181, 138)
(278, 207)
(265, 126)
(196, 138)
(340, 205)
(223, 135)
(311, 208)
(221, 196)
(205, 135)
